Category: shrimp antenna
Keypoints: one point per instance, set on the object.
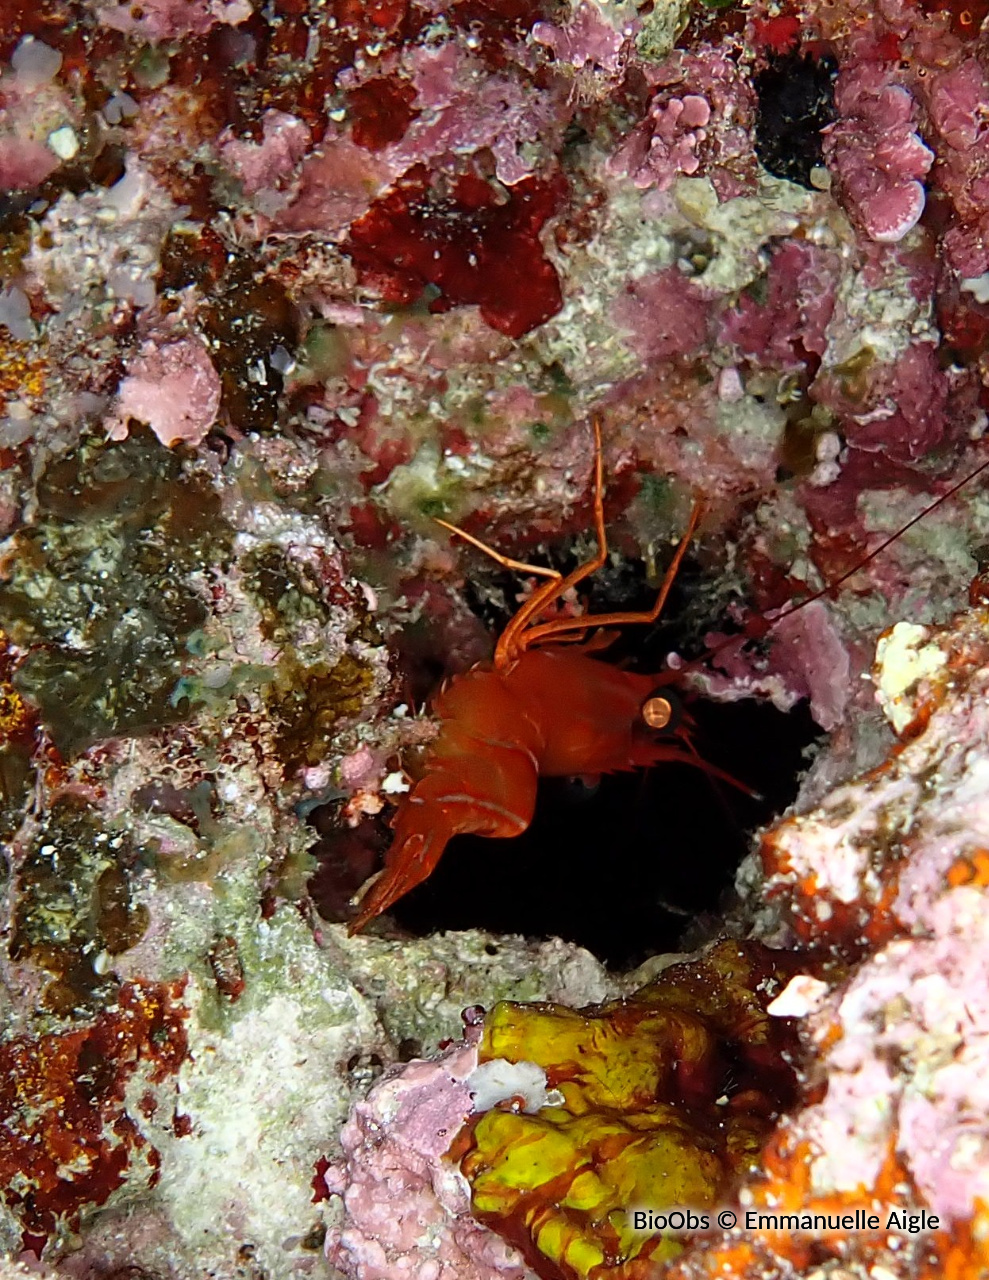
(506, 562)
(886, 542)
(752, 631)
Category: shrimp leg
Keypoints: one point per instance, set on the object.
(557, 626)
(506, 562)
(514, 640)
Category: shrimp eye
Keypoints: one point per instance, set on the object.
(662, 710)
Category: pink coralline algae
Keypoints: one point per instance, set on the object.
(930, 999)
(174, 388)
(265, 165)
(678, 131)
(876, 152)
(805, 657)
(167, 19)
(902, 410)
(22, 161)
(443, 101)
(459, 106)
(910, 419)
(408, 1210)
(337, 184)
(664, 313)
(699, 121)
(790, 324)
(32, 106)
(957, 101)
(587, 42)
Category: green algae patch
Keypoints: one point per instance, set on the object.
(72, 906)
(99, 587)
(308, 702)
(307, 694)
(17, 738)
(661, 1100)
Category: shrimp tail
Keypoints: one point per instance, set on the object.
(491, 792)
(421, 835)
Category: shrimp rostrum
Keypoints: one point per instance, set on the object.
(545, 706)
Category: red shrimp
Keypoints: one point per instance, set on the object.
(552, 711)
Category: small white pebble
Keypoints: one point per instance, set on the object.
(730, 387)
(15, 313)
(17, 426)
(977, 286)
(317, 777)
(281, 361)
(120, 107)
(35, 63)
(394, 784)
(64, 142)
(801, 995)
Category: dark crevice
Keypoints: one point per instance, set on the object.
(796, 102)
(625, 869)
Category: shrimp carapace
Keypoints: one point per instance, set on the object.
(545, 706)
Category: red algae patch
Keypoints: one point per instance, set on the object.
(473, 243)
(67, 1141)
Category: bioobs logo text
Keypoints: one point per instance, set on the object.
(670, 1221)
(869, 1219)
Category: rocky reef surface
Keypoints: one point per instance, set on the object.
(279, 285)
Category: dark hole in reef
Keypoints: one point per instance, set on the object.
(624, 868)
(796, 101)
